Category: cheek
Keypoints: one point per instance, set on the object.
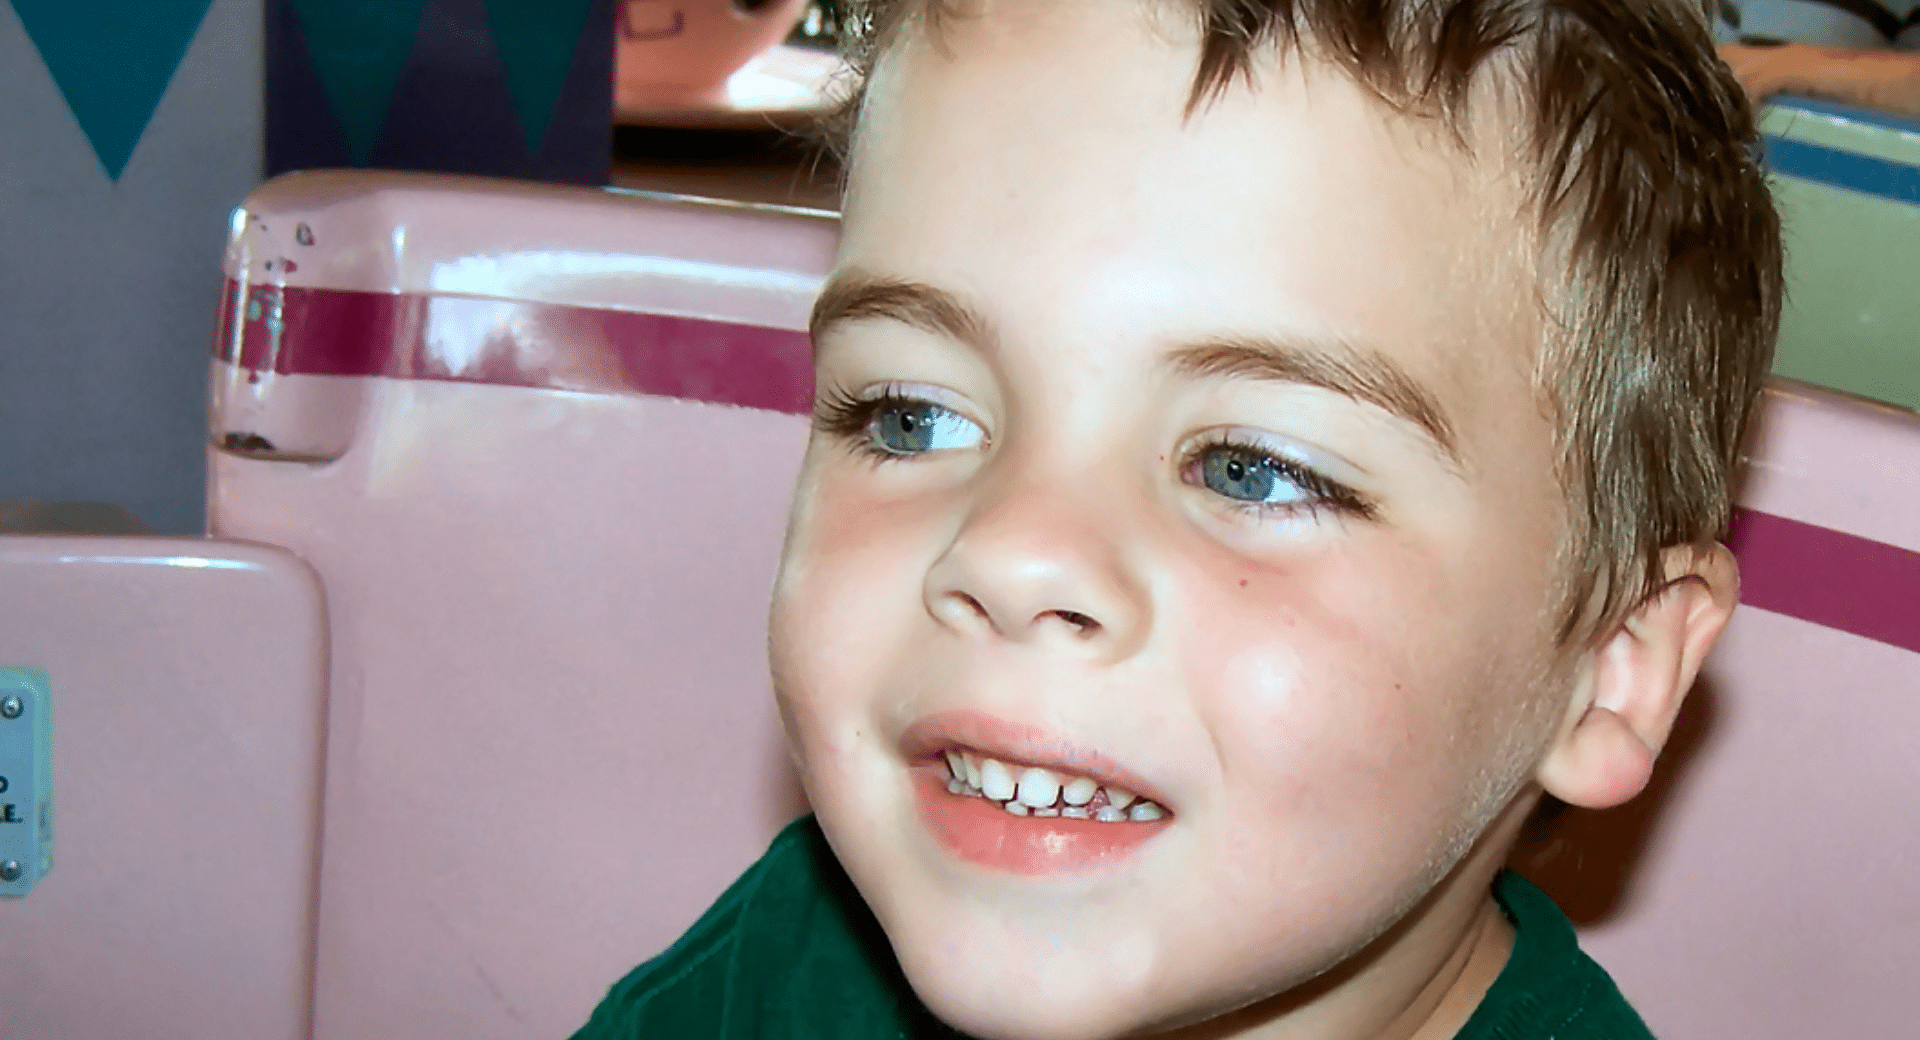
(1347, 687)
(846, 587)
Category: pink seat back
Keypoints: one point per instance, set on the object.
(1765, 886)
(187, 681)
(538, 443)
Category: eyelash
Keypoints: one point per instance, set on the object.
(841, 415)
(1322, 491)
(848, 418)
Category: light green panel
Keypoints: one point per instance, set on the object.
(1852, 320)
(1832, 130)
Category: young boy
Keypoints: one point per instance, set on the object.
(1262, 448)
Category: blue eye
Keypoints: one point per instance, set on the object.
(894, 424)
(1260, 481)
(905, 427)
(1250, 476)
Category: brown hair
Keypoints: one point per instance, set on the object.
(1663, 293)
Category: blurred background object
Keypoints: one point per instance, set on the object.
(681, 54)
(1839, 85)
(1847, 182)
(730, 115)
(512, 88)
(1849, 24)
(1858, 52)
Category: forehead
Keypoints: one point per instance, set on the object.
(1040, 158)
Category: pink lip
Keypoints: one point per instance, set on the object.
(928, 739)
(981, 832)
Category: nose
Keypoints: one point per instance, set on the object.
(1042, 563)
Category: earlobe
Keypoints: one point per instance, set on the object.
(1629, 690)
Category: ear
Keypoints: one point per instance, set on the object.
(1628, 691)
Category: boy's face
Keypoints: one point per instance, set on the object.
(1198, 458)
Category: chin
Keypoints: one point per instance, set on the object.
(1010, 972)
(1016, 973)
(1006, 1010)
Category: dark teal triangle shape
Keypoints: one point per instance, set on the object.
(112, 62)
(537, 40)
(360, 48)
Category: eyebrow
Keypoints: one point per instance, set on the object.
(856, 297)
(1362, 375)
(1367, 376)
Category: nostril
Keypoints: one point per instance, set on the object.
(1082, 624)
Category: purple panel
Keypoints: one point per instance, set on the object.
(1828, 577)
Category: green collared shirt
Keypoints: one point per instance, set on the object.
(791, 952)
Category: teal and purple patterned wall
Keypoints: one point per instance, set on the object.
(130, 129)
(516, 88)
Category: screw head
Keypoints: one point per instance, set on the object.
(10, 708)
(10, 870)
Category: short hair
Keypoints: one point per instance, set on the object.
(1660, 259)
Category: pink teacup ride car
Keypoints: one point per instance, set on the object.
(538, 443)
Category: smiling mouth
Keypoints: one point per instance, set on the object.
(1044, 793)
(1012, 836)
(1018, 799)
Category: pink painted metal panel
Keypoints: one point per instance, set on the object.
(188, 681)
(1835, 461)
(1764, 886)
(548, 530)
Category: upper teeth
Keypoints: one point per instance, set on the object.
(1038, 787)
(1031, 790)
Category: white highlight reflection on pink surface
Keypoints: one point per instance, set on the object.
(421, 233)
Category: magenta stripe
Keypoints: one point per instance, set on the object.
(1828, 577)
(513, 343)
